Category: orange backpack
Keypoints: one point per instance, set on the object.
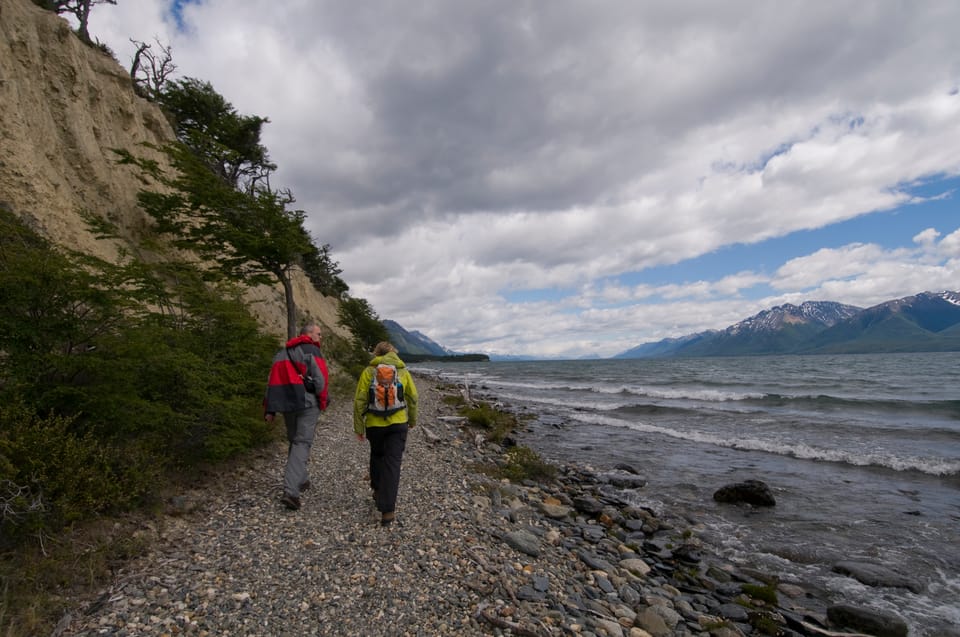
(385, 396)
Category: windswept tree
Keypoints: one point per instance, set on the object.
(324, 272)
(229, 143)
(220, 204)
(151, 69)
(359, 317)
(80, 9)
(249, 237)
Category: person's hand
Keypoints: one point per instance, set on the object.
(360, 437)
(268, 417)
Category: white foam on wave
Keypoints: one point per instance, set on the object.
(569, 404)
(706, 395)
(540, 386)
(921, 611)
(946, 586)
(931, 465)
(703, 395)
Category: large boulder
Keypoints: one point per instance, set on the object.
(876, 575)
(866, 620)
(753, 492)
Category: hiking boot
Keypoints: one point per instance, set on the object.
(387, 519)
(304, 486)
(291, 502)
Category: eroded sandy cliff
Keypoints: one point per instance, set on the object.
(63, 107)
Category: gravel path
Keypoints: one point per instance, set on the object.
(468, 556)
(240, 564)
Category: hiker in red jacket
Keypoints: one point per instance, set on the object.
(297, 388)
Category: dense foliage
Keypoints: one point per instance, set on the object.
(227, 142)
(111, 376)
(359, 317)
(218, 203)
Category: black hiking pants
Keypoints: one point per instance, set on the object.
(386, 452)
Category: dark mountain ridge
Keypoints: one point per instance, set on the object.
(415, 347)
(414, 342)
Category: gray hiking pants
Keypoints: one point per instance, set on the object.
(301, 426)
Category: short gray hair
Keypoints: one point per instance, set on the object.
(309, 327)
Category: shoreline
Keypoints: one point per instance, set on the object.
(667, 544)
(810, 610)
(472, 555)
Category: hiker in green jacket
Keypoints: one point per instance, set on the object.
(384, 409)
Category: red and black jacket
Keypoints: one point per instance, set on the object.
(300, 358)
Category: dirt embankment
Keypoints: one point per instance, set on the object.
(65, 107)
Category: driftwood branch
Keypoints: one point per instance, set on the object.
(515, 627)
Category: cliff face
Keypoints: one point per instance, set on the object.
(63, 107)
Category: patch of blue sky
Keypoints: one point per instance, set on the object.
(539, 295)
(176, 10)
(890, 229)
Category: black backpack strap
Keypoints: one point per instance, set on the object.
(294, 363)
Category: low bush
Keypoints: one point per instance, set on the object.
(763, 592)
(60, 476)
(520, 463)
(496, 422)
(111, 377)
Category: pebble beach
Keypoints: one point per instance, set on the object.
(470, 555)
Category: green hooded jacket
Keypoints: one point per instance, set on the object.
(361, 419)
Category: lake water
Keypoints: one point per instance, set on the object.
(862, 453)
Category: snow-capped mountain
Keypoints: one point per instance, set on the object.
(929, 321)
(817, 313)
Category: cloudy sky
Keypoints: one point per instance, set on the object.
(563, 178)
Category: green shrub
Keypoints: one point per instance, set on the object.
(120, 373)
(52, 476)
(524, 464)
(765, 624)
(763, 592)
(497, 423)
(454, 400)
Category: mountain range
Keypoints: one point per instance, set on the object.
(414, 342)
(925, 322)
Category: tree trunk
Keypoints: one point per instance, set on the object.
(291, 305)
(83, 16)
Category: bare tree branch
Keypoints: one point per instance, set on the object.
(79, 9)
(149, 71)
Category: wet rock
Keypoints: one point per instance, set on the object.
(753, 492)
(876, 575)
(625, 480)
(588, 505)
(735, 612)
(866, 620)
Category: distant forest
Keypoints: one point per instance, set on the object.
(456, 358)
